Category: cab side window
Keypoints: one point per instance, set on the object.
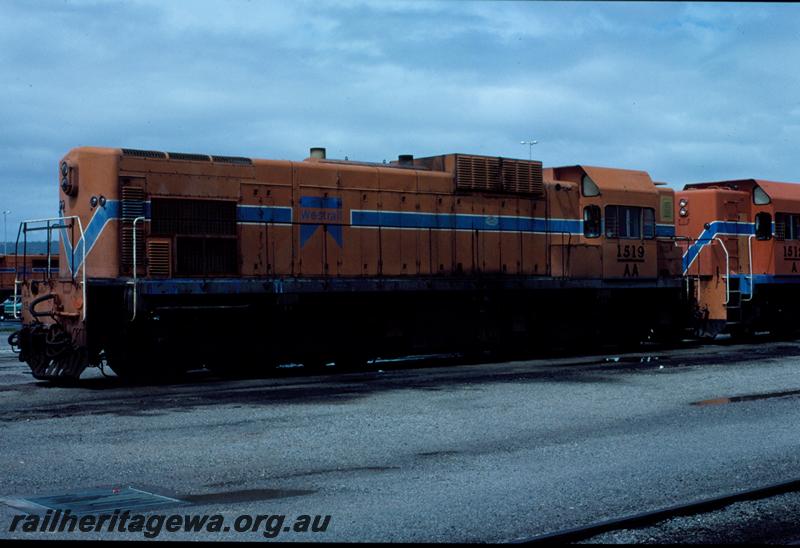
(589, 187)
(591, 221)
(649, 223)
(630, 222)
(763, 226)
(787, 226)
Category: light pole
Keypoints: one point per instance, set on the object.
(530, 146)
(5, 232)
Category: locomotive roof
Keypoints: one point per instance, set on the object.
(620, 179)
(779, 192)
(607, 178)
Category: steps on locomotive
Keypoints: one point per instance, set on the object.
(734, 306)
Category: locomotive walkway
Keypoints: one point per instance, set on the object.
(414, 451)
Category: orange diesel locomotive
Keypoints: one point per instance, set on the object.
(741, 244)
(171, 261)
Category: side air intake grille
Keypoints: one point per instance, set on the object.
(189, 157)
(238, 160)
(143, 153)
(159, 257)
(492, 174)
(132, 202)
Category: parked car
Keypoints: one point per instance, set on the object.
(9, 307)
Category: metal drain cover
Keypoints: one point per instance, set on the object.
(96, 501)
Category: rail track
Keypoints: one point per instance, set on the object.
(645, 519)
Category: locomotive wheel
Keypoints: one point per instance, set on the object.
(239, 363)
(315, 364)
(783, 332)
(142, 369)
(231, 368)
(125, 365)
(741, 333)
(145, 363)
(351, 362)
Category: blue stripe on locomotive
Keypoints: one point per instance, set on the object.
(457, 221)
(715, 228)
(362, 219)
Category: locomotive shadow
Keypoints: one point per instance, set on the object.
(329, 373)
(201, 390)
(204, 391)
(617, 356)
(610, 353)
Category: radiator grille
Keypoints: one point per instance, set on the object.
(204, 232)
(189, 157)
(492, 174)
(522, 177)
(238, 160)
(159, 257)
(478, 173)
(193, 217)
(143, 153)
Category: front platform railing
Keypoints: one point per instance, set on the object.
(49, 225)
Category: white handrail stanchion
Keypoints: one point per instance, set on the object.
(136, 220)
(750, 255)
(727, 270)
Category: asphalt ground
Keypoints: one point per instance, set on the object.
(419, 450)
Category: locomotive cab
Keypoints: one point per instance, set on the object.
(627, 222)
(741, 254)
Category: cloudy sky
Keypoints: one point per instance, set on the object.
(687, 92)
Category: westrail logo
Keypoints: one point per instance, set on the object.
(316, 211)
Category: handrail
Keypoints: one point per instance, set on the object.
(136, 220)
(24, 230)
(750, 255)
(49, 251)
(727, 270)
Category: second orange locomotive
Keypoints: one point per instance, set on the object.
(741, 241)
